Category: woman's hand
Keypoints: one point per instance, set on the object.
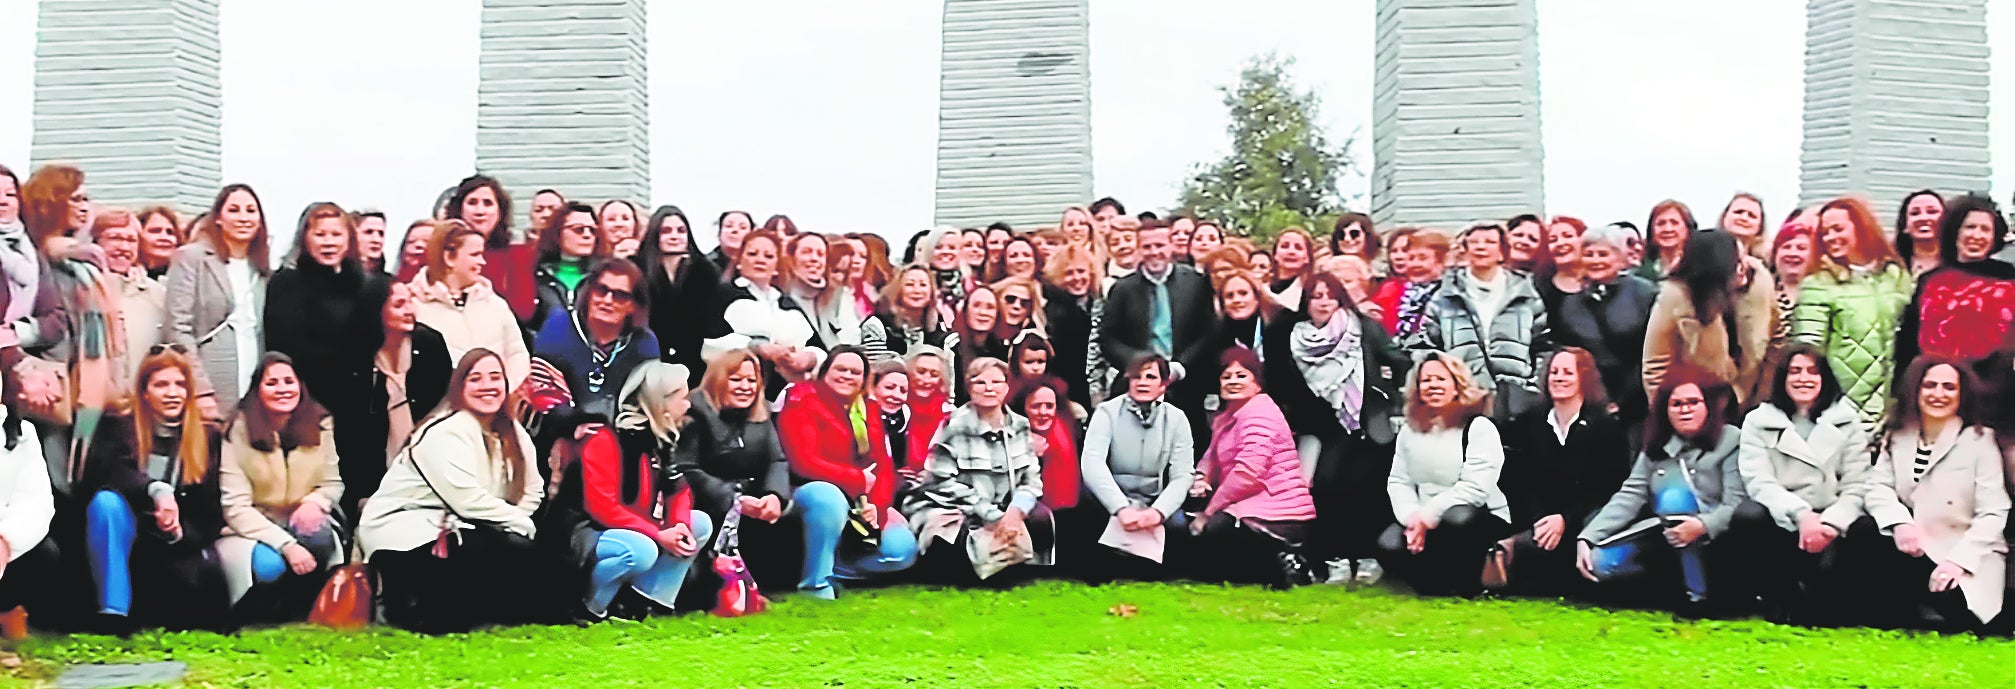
(299, 560)
(1946, 576)
(1416, 534)
(308, 517)
(585, 431)
(1038, 445)
(1198, 486)
(1010, 526)
(678, 540)
(168, 516)
(1909, 539)
(767, 508)
(1548, 530)
(1684, 533)
(1814, 535)
(1196, 525)
(1584, 559)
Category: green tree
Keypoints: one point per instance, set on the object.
(1282, 170)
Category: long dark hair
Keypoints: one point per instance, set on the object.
(1713, 390)
(304, 426)
(1906, 413)
(258, 252)
(1905, 245)
(1706, 266)
(1955, 217)
(648, 252)
(1829, 384)
(549, 236)
(500, 237)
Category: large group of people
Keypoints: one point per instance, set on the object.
(559, 420)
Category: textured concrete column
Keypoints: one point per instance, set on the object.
(1014, 111)
(564, 100)
(1895, 98)
(1455, 107)
(129, 91)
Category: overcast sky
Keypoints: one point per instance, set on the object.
(828, 111)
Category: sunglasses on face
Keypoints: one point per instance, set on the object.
(622, 296)
(175, 347)
(1014, 299)
(583, 229)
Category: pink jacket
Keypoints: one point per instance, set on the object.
(1252, 463)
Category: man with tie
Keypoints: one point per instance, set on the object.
(1164, 308)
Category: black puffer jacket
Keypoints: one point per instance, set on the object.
(723, 454)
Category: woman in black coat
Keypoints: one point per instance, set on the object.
(394, 373)
(730, 455)
(1340, 401)
(1609, 318)
(685, 290)
(308, 301)
(1562, 463)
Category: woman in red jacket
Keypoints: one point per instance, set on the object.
(630, 508)
(929, 368)
(841, 463)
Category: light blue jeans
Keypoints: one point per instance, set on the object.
(109, 530)
(629, 558)
(823, 509)
(1625, 559)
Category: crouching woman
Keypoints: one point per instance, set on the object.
(981, 486)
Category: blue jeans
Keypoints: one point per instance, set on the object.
(1625, 559)
(625, 557)
(109, 529)
(823, 508)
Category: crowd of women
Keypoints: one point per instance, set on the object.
(557, 421)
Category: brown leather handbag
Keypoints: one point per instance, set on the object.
(345, 602)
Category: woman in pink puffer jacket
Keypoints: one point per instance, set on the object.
(1259, 511)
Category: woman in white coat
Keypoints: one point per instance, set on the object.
(1938, 493)
(452, 297)
(1804, 459)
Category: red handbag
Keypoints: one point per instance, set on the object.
(345, 601)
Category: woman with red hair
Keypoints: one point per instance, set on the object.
(1557, 270)
(1793, 255)
(1852, 304)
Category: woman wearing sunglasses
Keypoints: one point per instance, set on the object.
(569, 245)
(598, 343)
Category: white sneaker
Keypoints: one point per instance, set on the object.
(1339, 572)
(1369, 572)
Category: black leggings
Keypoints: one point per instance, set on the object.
(1899, 587)
(1773, 566)
(1244, 551)
(1452, 560)
(1351, 505)
(490, 576)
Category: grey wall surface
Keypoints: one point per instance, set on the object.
(1014, 112)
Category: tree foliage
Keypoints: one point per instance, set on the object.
(1282, 170)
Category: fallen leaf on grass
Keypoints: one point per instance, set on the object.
(1123, 610)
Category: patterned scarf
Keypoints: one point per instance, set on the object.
(1331, 359)
(1412, 305)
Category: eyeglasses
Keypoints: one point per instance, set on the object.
(622, 296)
(1353, 233)
(175, 347)
(1687, 403)
(583, 229)
(1015, 299)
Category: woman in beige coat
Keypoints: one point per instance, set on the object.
(280, 485)
(452, 297)
(1709, 316)
(1938, 493)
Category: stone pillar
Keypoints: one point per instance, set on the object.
(564, 100)
(1014, 111)
(1895, 99)
(129, 91)
(1455, 108)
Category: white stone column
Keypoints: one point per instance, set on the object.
(564, 100)
(1014, 111)
(129, 91)
(1455, 108)
(1895, 99)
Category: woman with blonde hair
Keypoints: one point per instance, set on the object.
(1851, 306)
(1444, 480)
(908, 314)
(1074, 308)
(1021, 308)
(456, 300)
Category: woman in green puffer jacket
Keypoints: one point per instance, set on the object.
(1852, 304)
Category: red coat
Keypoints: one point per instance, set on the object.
(818, 441)
(1387, 300)
(926, 417)
(509, 270)
(607, 466)
(1060, 478)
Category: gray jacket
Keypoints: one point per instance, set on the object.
(1128, 462)
(1501, 355)
(1712, 473)
(1789, 474)
(199, 303)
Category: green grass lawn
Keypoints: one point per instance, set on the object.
(1068, 635)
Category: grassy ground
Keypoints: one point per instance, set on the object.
(1065, 635)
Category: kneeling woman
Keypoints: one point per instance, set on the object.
(154, 510)
(1680, 495)
(280, 483)
(625, 504)
(1937, 491)
(1259, 515)
(450, 528)
(1443, 484)
(841, 463)
(981, 486)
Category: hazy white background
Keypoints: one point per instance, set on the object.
(828, 111)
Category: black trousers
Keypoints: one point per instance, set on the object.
(1763, 559)
(1896, 592)
(490, 576)
(1244, 551)
(27, 579)
(1351, 505)
(1451, 563)
(1537, 571)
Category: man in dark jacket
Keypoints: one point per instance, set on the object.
(1165, 309)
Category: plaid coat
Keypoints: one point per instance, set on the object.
(976, 470)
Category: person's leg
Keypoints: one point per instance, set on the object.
(407, 582)
(1756, 557)
(897, 552)
(109, 530)
(620, 555)
(661, 581)
(1455, 548)
(268, 565)
(822, 508)
(1368, 509)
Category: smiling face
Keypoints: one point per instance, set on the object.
(371, 238)
(674, 238)
(1976, 237)
(1240, 299)
(1836, 234)
(1146, 384)
(1077, 226)
(758, 263)
(158, 237)
(241, 219)
(1237, 383)
(1205, 239)
(399, 313)
(1687, 410)
(327, 241)
(544, 205)
(1485, 249)
(1016, 303)
(166, 393)
(945, 254)
(1563, 378)
(988, 390)
(915, 291)
(611, 300)
(1350, 240)
(1921, 217)
(997, 240)
(1019, 259)
(973, 251)
(1601, 262)
(734, 226)
(280, 390)
(479, 210)
(121, 245)
(926, 377)
(1744, 218)
(1563, 242)
(1435, 386)
(844, 375)
(619, 222)
(808, 262)
(80, 209)
(483, 388)
(1938, 395)
(1802, 381)
(10, 200)
(892, 392)
(1524, 239)
(1040, 408)
(1290, 256)
(1668, 230)
(466, 261)
(743, 384)
(1077, 280)
(1794, 257)
(982, 310)
(1156, 251)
